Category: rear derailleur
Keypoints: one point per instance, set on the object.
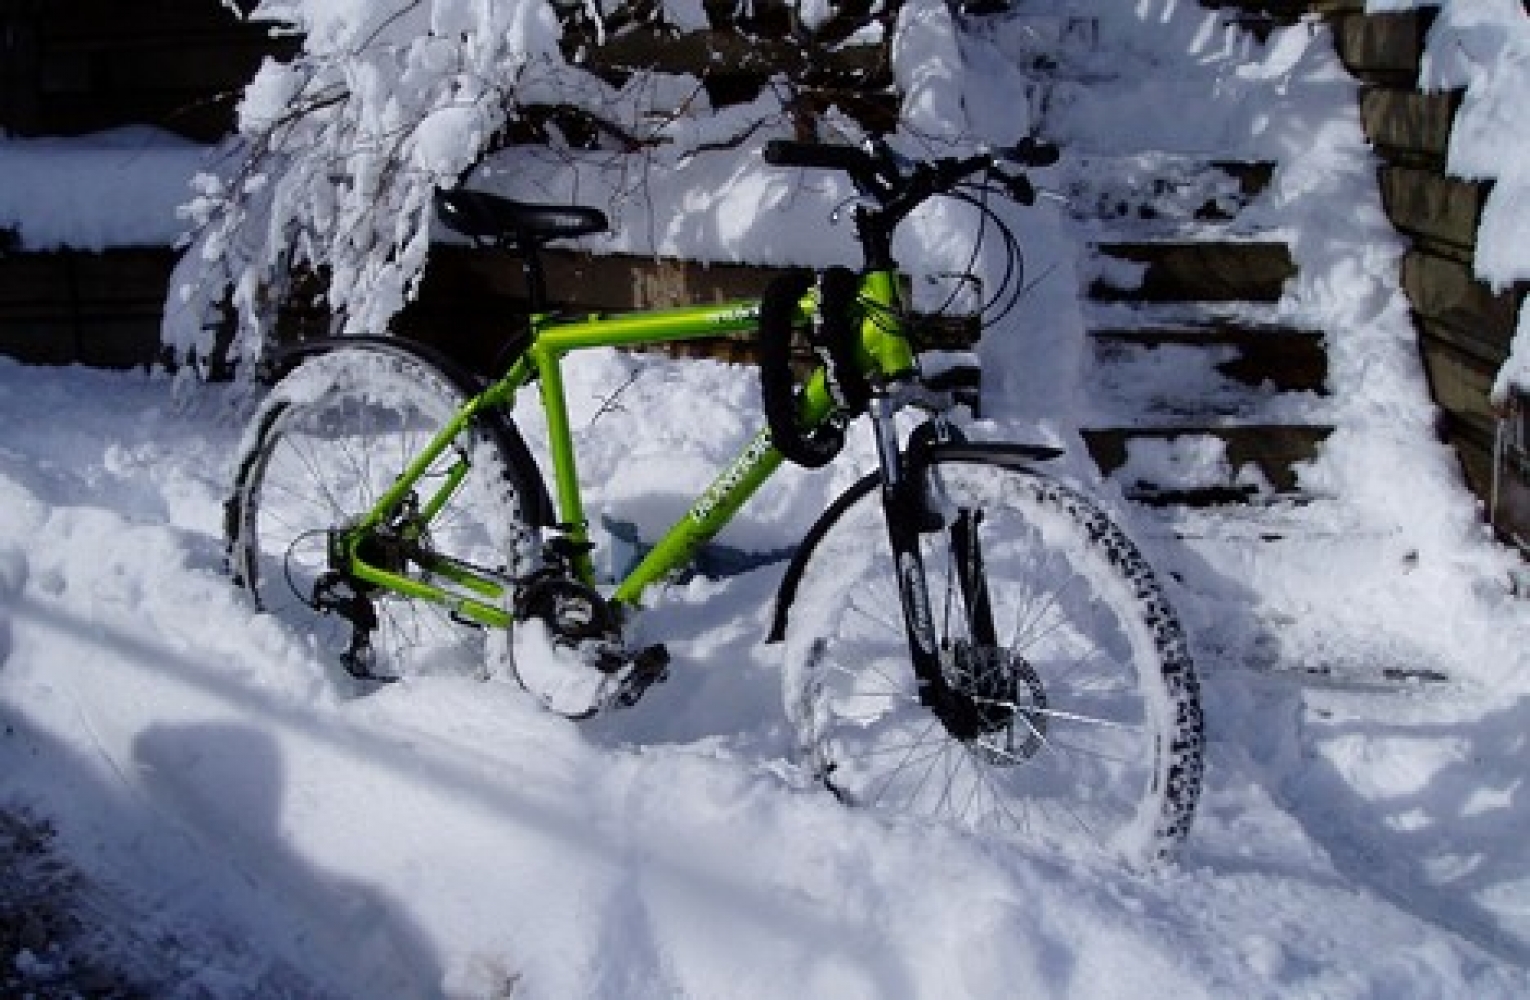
(337, 593)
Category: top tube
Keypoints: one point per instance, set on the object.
(885, 349)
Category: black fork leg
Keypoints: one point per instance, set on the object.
(967, 555)
(902, 504)
(913, 588)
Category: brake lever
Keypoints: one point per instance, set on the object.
(1018, 186)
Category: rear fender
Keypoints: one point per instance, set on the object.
(496, 423)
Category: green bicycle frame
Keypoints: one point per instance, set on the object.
(477, 595)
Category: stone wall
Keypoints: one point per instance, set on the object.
(74, 307)
(89, 65)
(1464, 327)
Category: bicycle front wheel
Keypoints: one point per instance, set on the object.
(1086, 722)
(329, 440)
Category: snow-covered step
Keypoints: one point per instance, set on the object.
(1260, 18)
(1205, 464)
(1310, 520)
(1163, 193)
(1262, 12)
(1177, 383)
(1266, 357)
(1227, 270)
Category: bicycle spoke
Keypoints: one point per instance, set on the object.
(315, 475)
(894, 686)
(934, 759)
(882, 619)
(1098, 721)
(907, 759)
(915, 743)
(1063, 746)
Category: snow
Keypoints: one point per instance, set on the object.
(928, 69)
(250, 825)
(51, 189)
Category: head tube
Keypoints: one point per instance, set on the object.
(883, 336)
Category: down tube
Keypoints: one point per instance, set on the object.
(728, 492)
(715, 508)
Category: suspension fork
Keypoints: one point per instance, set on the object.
(967, 555)
(907, 513)
(912, 511)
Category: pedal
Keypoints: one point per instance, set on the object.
(649, 667)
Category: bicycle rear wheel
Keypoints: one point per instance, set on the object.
(1089, 721)
(328, 441)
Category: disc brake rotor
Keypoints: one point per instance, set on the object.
(1006, 700)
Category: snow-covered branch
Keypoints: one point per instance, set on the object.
(340, 149)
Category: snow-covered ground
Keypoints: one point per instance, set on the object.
(245, 824)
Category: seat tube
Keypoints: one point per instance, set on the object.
(565, 471)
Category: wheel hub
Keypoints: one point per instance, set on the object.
(996, 703)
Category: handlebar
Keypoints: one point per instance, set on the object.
(789, 153)
(898, 185)
(893, 186)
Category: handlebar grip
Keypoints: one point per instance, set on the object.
(788, 153)
(1033, 152)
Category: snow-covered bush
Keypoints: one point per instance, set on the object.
(338, 150)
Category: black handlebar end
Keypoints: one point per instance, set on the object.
(1021, 190)
(1033, 152)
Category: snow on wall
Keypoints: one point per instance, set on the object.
(113, 189)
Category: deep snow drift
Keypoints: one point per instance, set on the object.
(247, 824)
(263, 832)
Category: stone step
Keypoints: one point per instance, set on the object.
(1156, 191)
(1283, 358)
(1283, 11)
(1191, 271)
(1180, 384)
(1318, 522)
(1044, 44)
(1202, 465)
(1261, 16)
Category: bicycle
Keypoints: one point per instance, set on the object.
(965, 636)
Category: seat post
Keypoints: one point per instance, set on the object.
(536, 275)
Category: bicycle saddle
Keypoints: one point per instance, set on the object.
(488, 216)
